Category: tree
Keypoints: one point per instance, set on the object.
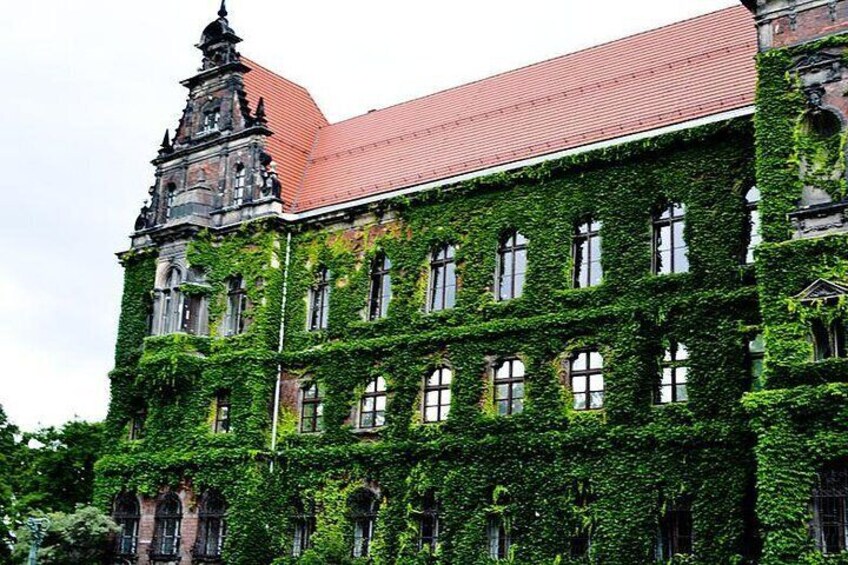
(82, 536)
(56, 468)
(9, 452)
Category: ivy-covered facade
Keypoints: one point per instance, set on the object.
(632, 354)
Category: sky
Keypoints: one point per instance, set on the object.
(88, 87)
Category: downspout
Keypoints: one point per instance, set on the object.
(276, 416)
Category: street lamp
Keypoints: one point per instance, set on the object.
(38, 528)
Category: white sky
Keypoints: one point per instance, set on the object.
(87, 87)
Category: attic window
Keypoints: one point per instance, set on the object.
(211, 120)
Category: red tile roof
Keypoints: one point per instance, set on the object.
(685, 71)
(294, 118)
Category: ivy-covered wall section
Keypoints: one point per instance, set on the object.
(801, 418)
(550, 473)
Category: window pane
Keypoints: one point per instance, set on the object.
(665, 394)
(682, 395)
(580, 401)
(447, 375)
(597, 400)
(381, 402)
(667, 375)
(381, 384)
(681, 374)
(596, 382)
(580, 362)
(578, 384)
(431, 414)
(517, 405)
(518, 390)
(503, 407)
(596, 361)
(517, 369)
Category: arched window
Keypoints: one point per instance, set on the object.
(671, 254)
(752, 202)
(239, 184)
(437, 395)
(171, 311)
(364, 507)
(236, 305)
(586, 373)
(170, 192)
(512, 266)
(166, 529)
(319, 301)
(381, 287)
(442, 285)
(372, 405)
(586, 253)
(509, 387)
(674, 375)
(428, 522)
(829, 527)
(222, 412)
(311, 408)
(675, 534)
(212, 526)
(127, 515)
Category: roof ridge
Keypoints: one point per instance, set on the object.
(542, 62)
(252, 62)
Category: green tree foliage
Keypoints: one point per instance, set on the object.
(8, 451)
(55, 471)
(81, 537)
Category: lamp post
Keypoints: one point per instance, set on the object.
(38, 528)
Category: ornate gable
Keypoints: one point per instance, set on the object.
(822, 290)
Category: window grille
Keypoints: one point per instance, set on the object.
(829, 526)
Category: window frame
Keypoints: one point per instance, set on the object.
(442, 264)
(316, 402)
(223, 413)
(305, 523)
(677, 518)
(441, 389)
(581, 253)
(379, 392)
(672, 361)
(831, 486)
(363, 513)
(319, 301)
(211, 125)
(211, 526)
(671, 221)
(167, 525)
(511, 382)
(511, 245)
(137, 422)
(498, 537)
(239, 184)
(380, 289)
(587, 374)
(753, 224)
(237, 304)
(170, 194)
(828, 340)
(126, 545)
(428, 523)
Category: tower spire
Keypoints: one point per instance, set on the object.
(223, 11)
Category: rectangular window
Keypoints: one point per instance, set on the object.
(428, 529)
(222, 413)
(587, 380)
(363, 531)
(829, 527)
(319, 301)
(512, 266)
(674, 376)
(312, 409)
(499, 541)
(509, 387)
(586, 254)
(675, 535)
(756, 351)
(670, 252)
(236, 306)
(752, 200)
(442, 287)
(191, 314)
(381, 288)
(437, 395)
(828, 339)
(304, 527)
(239, 184)
(137, 424)
(372, 405)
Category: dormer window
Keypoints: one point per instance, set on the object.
(211, 120)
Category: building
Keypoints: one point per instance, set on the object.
(590, 310)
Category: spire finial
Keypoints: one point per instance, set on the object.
(260, 112)
(223, 11)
